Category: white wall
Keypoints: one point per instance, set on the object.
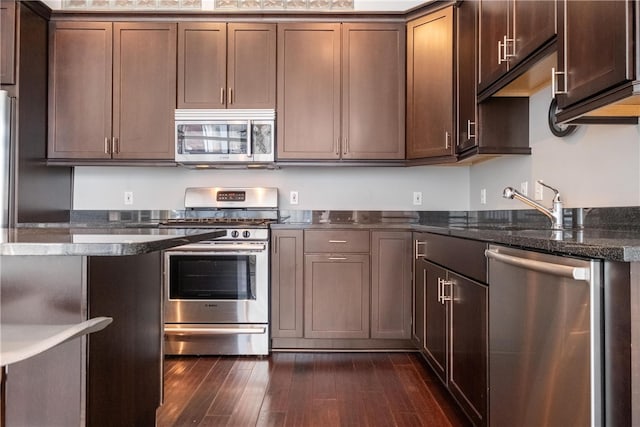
(598, 165)
(334, 188)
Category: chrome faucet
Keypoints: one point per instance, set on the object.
(555, 213)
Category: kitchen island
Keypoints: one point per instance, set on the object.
(67, 275)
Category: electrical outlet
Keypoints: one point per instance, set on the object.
(293, 197)
(128, 197)
(539, 192)
(483, 196)
(417, 198)
(524, 188)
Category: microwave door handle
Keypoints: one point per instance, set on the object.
(249, 142)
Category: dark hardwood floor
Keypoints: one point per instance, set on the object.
(305, 389)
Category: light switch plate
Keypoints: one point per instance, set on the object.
(128, 197)
(417, 198)
(524, 188)
(293, 197)
(539, 192)
(483, 196)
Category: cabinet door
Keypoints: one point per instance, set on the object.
(144, 90)
(7, 42)
(202, 64)
(251, 76)
(286, 283)
(430, 103)
(492, 29)
(469, 341)
(308, 91)
(419, 287)
(605, 28)
(373, 76)
(336, 296)
(534, 24)
(391, 284)
(435, 344)
(466, 69)
(80, 58)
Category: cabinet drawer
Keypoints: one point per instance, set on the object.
(336, 241)
(460, 255)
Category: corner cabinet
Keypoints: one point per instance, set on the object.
(341, 91)
(391, 284)
(600, 81)
(510, 32)
(451, 317)
(112, 90)
(224, 65)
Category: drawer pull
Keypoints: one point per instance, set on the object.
(337, 241)
(337, 258)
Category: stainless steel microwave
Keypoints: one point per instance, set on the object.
(224, 136)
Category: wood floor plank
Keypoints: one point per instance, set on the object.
(232, 388)
(301, 390)
(187, 374)
(306, 389)
(248, 407)
(324, 378)
(394, 390)
(196, 408)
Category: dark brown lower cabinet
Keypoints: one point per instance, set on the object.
(341, 289)
(451, 331)
(286, 283)
(336, 300)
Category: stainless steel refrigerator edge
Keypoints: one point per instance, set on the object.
(545, 349)
(6, 155)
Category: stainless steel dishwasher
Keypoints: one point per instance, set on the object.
(544, 339)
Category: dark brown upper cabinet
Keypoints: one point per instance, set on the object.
(112, 89)
(597, 59)
(342, 99)
(226, 65)
(430, 87)
(7, 42)
(512, 34)
(496, 126)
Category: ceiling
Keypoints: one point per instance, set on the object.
(359, 5)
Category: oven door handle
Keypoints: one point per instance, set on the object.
(214, 331)
(220, 247)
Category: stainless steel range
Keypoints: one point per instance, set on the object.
(216, 292)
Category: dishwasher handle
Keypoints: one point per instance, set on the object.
(577, 273)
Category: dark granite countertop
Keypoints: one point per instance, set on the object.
(606, 233)
(82, 241)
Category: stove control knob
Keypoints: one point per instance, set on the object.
(235, 234)
(246, 234)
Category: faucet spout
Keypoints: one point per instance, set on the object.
(555, 214)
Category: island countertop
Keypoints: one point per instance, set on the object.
(97, 241)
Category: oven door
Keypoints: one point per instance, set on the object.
(223, 283)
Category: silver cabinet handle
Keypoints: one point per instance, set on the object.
(107, 146)
(503, 54)
(222, 95)
(116, 145)
(576, 273)
(345, 146)
(447, 137)
(337, 258)
(554, 83)
(337, 146)
(337, 241)
(442, 296)
(230, 96)
(469, 134)
(418, 243)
